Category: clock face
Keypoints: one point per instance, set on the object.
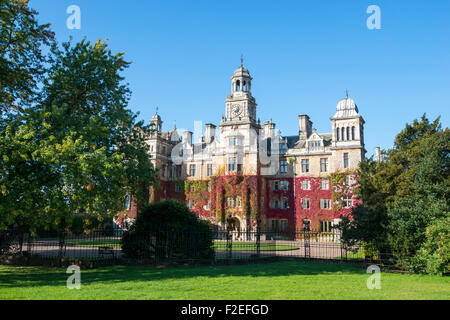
(236, 110)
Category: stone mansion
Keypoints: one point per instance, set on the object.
(251, 173)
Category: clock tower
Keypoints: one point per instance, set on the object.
(240, 104)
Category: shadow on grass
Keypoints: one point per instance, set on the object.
(42, 276)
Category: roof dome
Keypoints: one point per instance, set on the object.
(156, 117)
(241, 72)
(346, 108)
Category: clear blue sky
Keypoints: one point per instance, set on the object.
(301, 54)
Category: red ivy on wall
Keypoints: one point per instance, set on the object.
(314, 213)
(272, 213)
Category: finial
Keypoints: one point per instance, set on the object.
(242, 60)
(346, 93)
(157, 109)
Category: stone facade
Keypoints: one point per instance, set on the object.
(252, 173)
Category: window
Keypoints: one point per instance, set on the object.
(239, 202)
(306, 185)
(283, 166)
(177, 187)
(178, 171)
(325, 204)
(230, 202)
(306, 225)
(275, 185)
(337, 134)
(275, 204)
(324, 165)
(191, 204)
(284, 203)
(192, 170)
(284, 185)
(347, 202)
(353, 133)
(345, 160)
(343, 134)
(279, 225)
(238, 85)
(324, 184)
(209, 169)
(283, 225)
(305, 203)
(348, 133)
(235, 141)
(283, 147)
(305, 165)
(232, 164)
(127, 202)
(206, 207)
(244, 86)
(347, 181)
(325, 226)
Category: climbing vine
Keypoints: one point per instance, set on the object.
(342, 190)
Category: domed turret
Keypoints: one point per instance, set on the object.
(346, 108)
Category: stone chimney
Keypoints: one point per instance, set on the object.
(269, 129)
(187, 137)
(210, 133)
(305, 126)
(377, 154)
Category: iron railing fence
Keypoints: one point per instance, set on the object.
(163, 245)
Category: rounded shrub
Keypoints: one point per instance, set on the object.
(168, 230)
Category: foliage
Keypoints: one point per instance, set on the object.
(168, 229)
(78, 149)
(405, 195)
(22, 40)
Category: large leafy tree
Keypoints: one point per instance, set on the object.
(22, 62)
(406, 193)
(77, 150)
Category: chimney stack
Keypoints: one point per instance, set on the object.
(187, 137)
(305, 126)
(210, 133)
(377, 154)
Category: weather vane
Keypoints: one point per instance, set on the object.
(242, 60)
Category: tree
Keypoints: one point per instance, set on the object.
(80, 150)
(22, 40)
(168, 229)
(404, 194)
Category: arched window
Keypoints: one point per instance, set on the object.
(348, 133)
(244, 86)
(238, 85)
(337, 134)
(343, 134)
(353, 133)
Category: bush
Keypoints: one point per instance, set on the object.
(168, 230)
(434, 256)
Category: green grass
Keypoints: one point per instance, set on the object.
(251, 246)
(218, 245)
(278, 280)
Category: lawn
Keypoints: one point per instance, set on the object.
(218, 245)
(277, 280)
